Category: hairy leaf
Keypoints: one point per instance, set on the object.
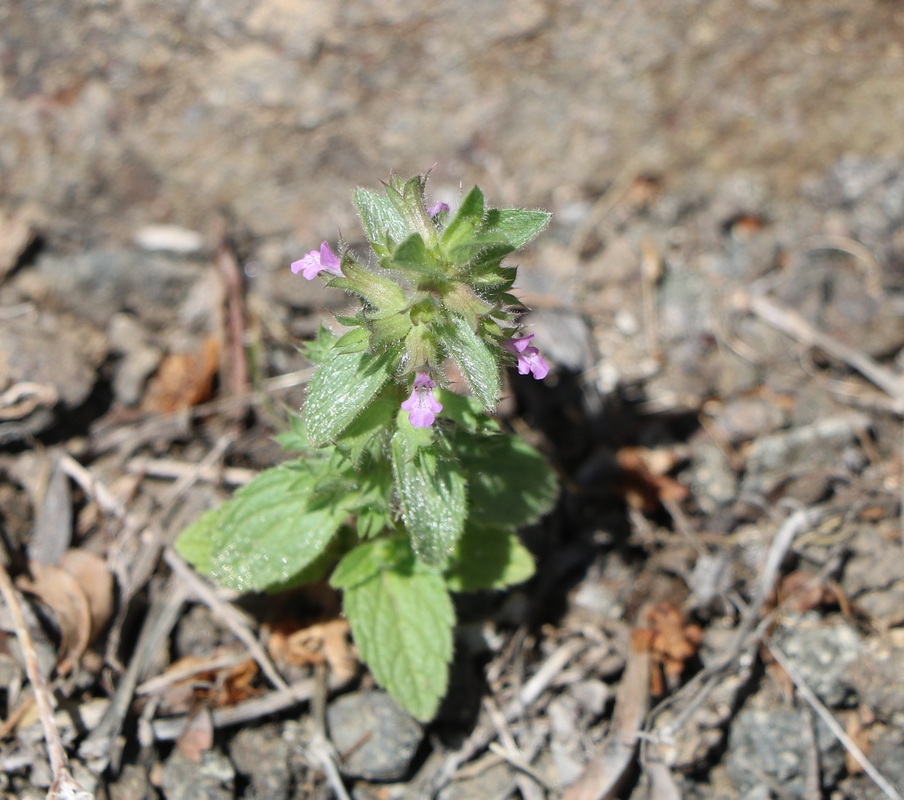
(402, 624)
(276, 526)
(433, 499)
(296, 438)
(488, 558)
(195, 543)
(475, 358)
(380, 217)
(509, 483)
(463, 226)
(366, 560)
(343, 386)
(363, 432)
(512, 226)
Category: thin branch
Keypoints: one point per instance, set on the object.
(795, 326)
(166, 730)
(64, 785)
(321, 748)
(226, 613)
(849, 744)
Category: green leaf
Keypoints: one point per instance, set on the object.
(488, 558)
(380, 217)
(509, 483)
(381, 293)
(463, 225)
(276, 526)
(353, 341)
(432, 496)
(462, 301)
(408, 198)
(195, 543)
(386, 327)
(513, 226)
(372, 522)
(367, 560)
(317, 350)
(402, 624)
(412, 254)
(466, 411)
(475, 358)
(341, 389)
(358, 437)
(296, 438)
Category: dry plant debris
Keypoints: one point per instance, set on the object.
(726, 410)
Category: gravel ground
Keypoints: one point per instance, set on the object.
(721, 295)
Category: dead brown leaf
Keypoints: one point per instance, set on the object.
(63, 594)
(91, 573)
(197, 738)
(326, 642)
(801, 591)
(673, 642)
(182, 380)
(643, 481)
(237, 686)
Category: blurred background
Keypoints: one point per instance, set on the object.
(162, 162)
(121, 114)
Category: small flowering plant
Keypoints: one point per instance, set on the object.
(403, 491)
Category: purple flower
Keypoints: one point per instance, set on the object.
(437, 208)
(422, 405)
(529, 358)
(316, 262)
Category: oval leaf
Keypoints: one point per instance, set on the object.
(273, 528)
(433, 499)
(402, 624)
(343, 386)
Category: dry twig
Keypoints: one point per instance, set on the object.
(161, 617)
(226, 613)
(609, 767)
(795, 326)
(321, 748)
(849, 744)
(64, 785)
(484, 732)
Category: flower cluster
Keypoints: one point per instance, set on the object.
(439, 290)
(401, 511)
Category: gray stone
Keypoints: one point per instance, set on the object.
(713, 481)
(885, 754)
(747, 418)
(199, 633)
(876, 561)
(792, 454)
(132, 784)
(56, 351)
(211, 779)
(262, 755)
(771, 743)
(591, 695)
(876, 677)
(100, 283)
(564, 338)
(379, 737)
(497, 781)
(822, 650)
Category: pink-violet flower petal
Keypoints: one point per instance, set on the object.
(422, 406)
(529, 358)
(315, 262)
